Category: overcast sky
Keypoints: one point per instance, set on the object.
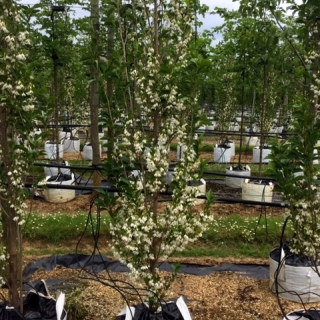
(214, 20)
(209, 21)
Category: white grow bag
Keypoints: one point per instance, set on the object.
(221, 154)
(104, 143)
(54, 171)
(295, 283)
(232, 145)
(251, 140)
(50, 149)
(234, 182)
(298, 315)
(256, 192)
(71, 145)
(200, 186)
(256, 155)
(56, 195)
(88, 152)
(180, 152)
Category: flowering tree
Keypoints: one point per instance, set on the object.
(226, 102)
(16, 115)
(293, 160)
(157, 95)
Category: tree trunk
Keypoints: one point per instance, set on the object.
(11, 238)
(110, 93)
(94, 91)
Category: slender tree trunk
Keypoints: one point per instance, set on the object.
(156, 126)
(94, 91)
(110, 94)
(263, 116)
(11, 237)
(315, 66)
(56, 109)
(242, 112)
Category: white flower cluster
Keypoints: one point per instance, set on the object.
(146, 230)
(16, 104)
(12, 57)
(226, 101)
(304, 212)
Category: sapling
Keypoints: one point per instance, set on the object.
(159, 106)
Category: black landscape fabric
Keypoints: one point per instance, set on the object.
(99, 263)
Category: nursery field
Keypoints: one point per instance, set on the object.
(219, 295)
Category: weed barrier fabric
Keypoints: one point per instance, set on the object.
(99, 263)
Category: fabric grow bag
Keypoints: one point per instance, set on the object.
(303, 315)
(57, 195)
(173, 310)
(234, 182)
(88, 152)
(71, 145)
(256, 155)
(222, 153)
(9, 313)
(54, 171)
(256, 190)
(293, 279)
(40, 305)
(37, 305)
(50, 149)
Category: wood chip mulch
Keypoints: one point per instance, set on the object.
(220, 295)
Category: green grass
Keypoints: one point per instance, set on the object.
(239, 237)
(54, 228)
(245, 149)
(221, 167)
(233, 235)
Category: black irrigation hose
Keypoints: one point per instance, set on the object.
(99, 168)
(49, 126)
(223, 174)
(244, 134)
(112, 189)
(124, 288)
(60, 165)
